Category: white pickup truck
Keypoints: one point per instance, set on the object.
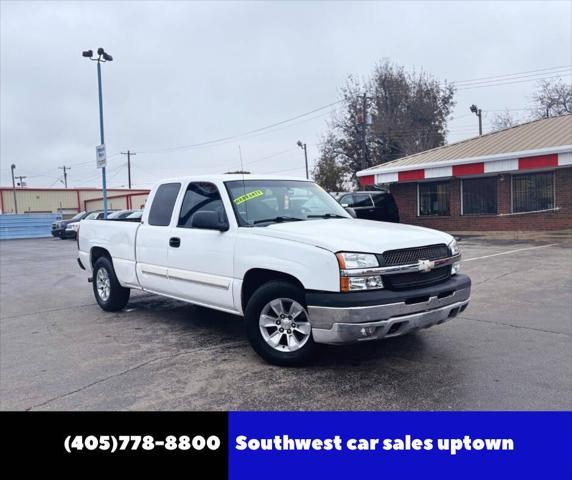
(283, 254)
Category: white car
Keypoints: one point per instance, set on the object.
(283, 254)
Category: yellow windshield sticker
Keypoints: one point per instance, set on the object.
(248, 196)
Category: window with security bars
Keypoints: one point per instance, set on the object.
(532, 192)
(434, 198)
(480, 196)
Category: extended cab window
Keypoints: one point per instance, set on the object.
(163, 204)
(200, 197)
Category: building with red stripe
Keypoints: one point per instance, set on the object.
(519, 178)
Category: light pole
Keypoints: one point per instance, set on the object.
(102, 57)
(303, 147)
(479, 113)
(13, 167)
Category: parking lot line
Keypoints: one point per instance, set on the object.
(509, 252)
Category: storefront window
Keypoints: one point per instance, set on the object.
(480, 196)
(434, 198)
(532, 192)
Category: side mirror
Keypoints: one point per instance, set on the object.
(351, 211)
(209, 221)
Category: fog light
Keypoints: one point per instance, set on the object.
(367, 331)
(456, 268)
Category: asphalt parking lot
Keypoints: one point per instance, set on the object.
(511, 349)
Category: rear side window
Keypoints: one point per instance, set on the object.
(163, 203)
(362, 200)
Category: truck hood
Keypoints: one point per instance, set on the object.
(354, 235)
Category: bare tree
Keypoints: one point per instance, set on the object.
(503, 120)
(552, 98)
(392, 115)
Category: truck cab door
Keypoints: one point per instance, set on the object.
(201, 256)
(152, 242)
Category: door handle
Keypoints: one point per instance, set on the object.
(174, 242)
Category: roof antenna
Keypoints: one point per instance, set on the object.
(243, 182)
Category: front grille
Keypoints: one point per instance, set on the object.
(403, 281)
(406, 256)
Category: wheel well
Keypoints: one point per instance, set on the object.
(98, 252)
(258, 276)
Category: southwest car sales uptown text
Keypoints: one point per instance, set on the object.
(407, 443)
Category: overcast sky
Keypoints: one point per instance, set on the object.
(189, 72)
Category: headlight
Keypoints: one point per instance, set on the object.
(349, 281)
(454, 248)
(349, 260)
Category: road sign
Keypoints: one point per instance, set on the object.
(100, 156)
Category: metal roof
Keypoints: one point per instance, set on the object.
(536, 135)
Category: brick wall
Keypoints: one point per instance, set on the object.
(406, 198)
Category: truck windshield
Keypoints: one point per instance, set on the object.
(262, 202)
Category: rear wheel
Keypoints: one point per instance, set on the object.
(109, 293)
(278, 326)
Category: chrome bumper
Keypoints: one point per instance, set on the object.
(338, 325)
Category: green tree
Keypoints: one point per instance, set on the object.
(329, 172)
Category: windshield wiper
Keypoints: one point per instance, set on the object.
(327, 215)
(278, 220)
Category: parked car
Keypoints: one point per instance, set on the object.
(375, 205)
(73, 226)
(59, 227)
(135, 216)
(124, 214)
(300, 276)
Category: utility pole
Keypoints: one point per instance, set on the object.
(304, 147)
(65, 169)
(479, 113)
(129, 154)
(13, 167)
(21, 182)
(102, 57)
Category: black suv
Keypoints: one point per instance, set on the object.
(375, 205)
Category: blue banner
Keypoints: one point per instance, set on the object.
(399, 445)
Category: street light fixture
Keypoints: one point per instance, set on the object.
(102, 57)
(303, 147)
(479, 113)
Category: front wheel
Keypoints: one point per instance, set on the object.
(109, 293)
(278, 326)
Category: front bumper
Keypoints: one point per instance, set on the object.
(339, 318)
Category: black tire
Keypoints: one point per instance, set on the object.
(261, 297)
(118, 295)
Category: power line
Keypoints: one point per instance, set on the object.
(513, 82)
(235, 137)
(512, 74)
(536, 76)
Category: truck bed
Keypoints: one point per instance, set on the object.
(118, 238)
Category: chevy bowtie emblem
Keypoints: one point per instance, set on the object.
(426, 265)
